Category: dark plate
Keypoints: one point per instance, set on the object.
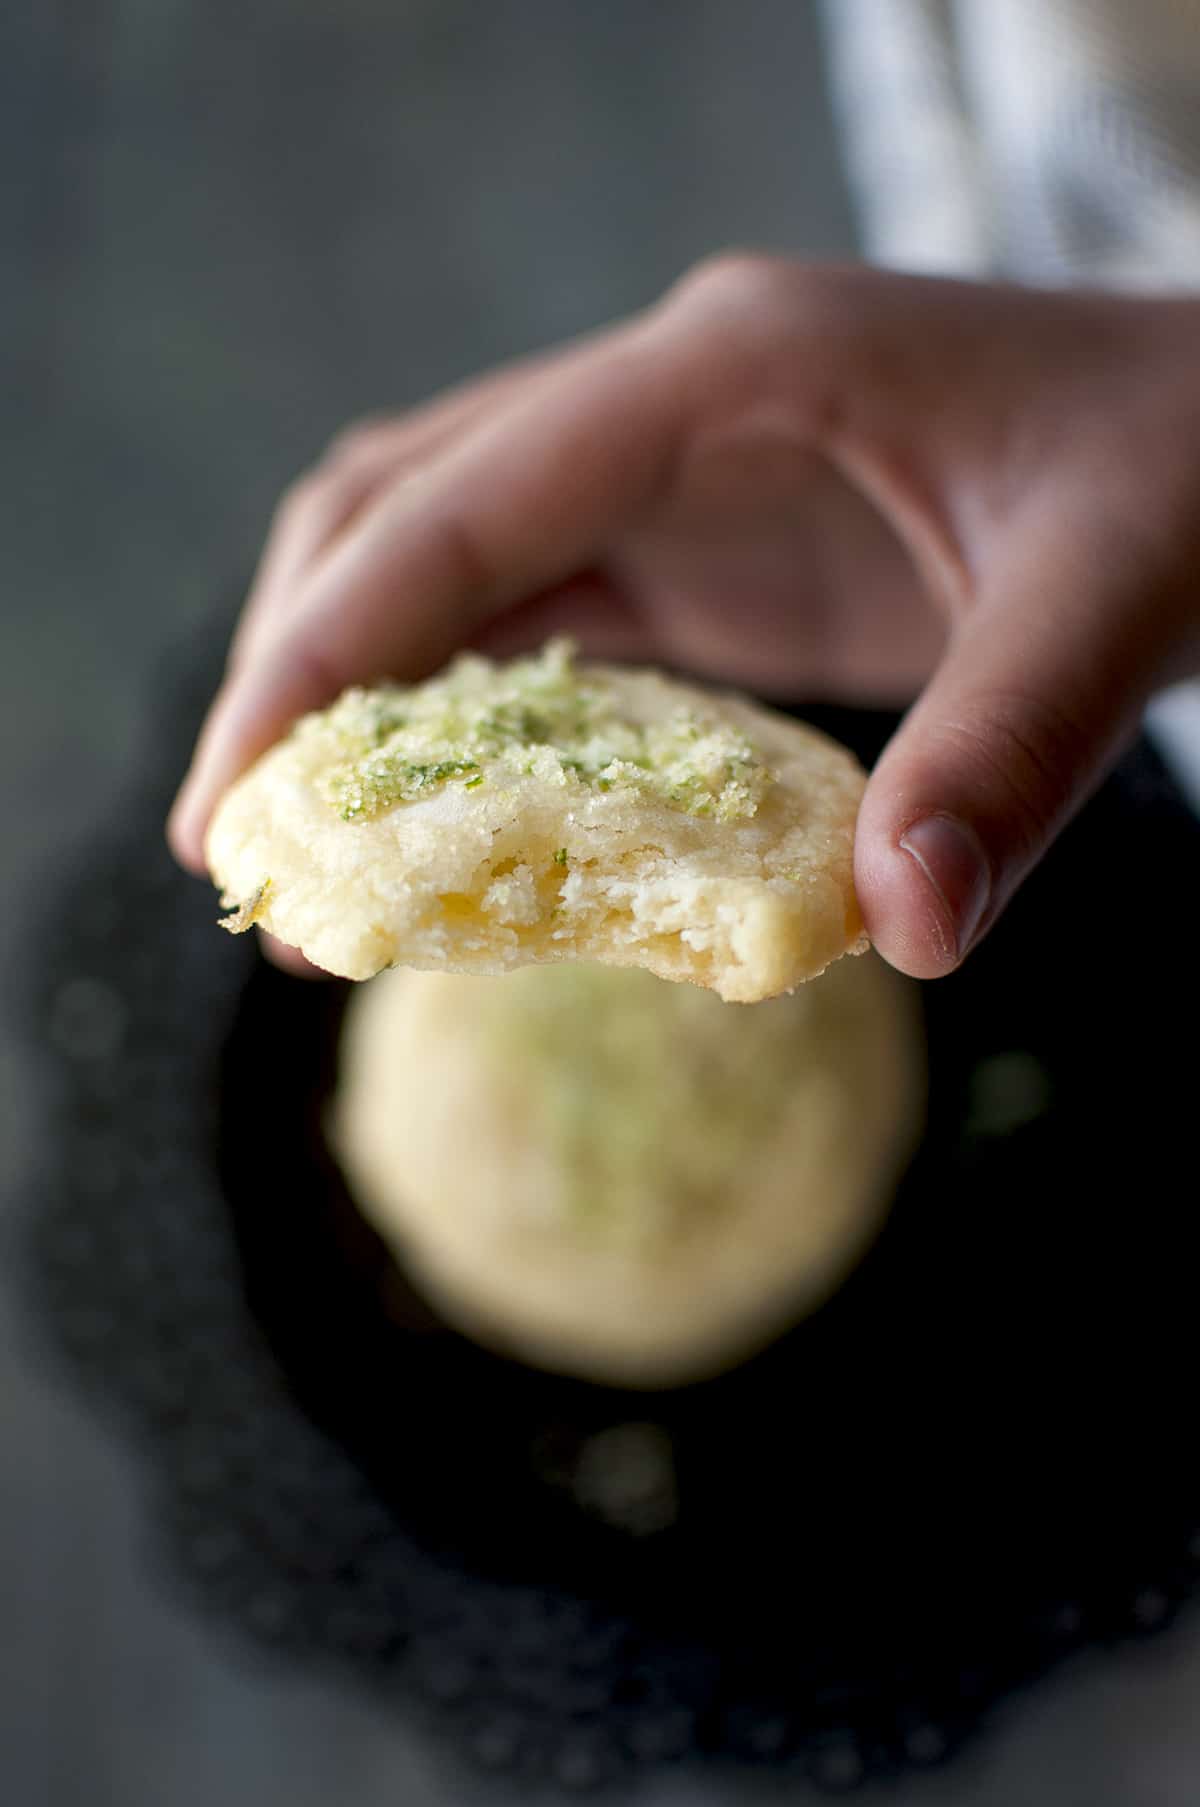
(980, 1454)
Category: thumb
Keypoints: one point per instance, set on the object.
(1042, 684)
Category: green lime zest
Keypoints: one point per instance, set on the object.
(539, 716)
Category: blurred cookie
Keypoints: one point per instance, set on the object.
(621, 1179)
(502, 815)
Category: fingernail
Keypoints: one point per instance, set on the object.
(951, 857)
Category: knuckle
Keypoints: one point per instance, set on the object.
(361, 439)
(761, 286)
(320, 494)
(755, 319)
(301, 494)
(735, 281)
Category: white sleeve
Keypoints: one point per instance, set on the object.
(909, 145)
(1056, 141)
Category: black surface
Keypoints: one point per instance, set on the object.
(978, 1456)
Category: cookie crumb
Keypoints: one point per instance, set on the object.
(243, 916)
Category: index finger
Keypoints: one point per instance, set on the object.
(528, 496)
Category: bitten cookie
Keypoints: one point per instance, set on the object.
(620, 1179)
(502, 815)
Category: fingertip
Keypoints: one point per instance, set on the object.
(238, 726)
(923, 892)
(207, 777)
(185, 828)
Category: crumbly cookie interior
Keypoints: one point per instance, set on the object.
(545, 810)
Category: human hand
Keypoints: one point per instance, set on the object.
(802, 480)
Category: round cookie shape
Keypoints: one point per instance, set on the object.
(619, 1179)
(502, 815)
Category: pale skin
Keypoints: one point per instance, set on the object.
(803, 480)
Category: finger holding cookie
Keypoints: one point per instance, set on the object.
(802, 480)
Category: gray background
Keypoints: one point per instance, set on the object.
(227, 230)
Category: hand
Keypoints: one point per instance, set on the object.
(803, 480)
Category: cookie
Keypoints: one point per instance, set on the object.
(542, 810)
(620, 1179)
